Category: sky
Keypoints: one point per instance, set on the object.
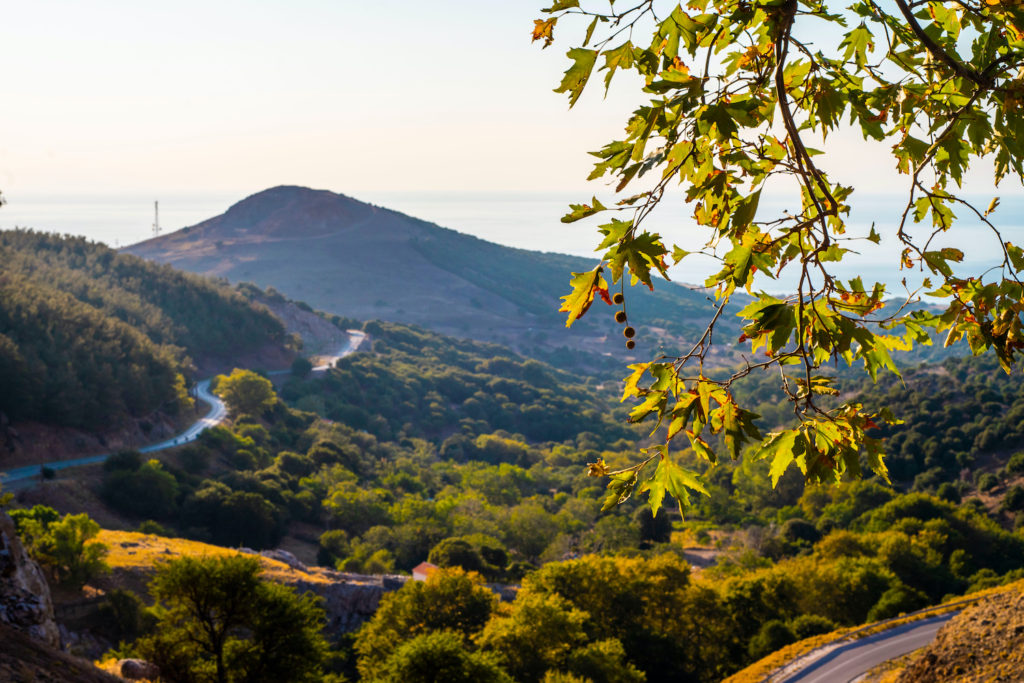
(384, 100)
(224, 96)
(117, 96)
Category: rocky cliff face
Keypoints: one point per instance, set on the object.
(25, 601)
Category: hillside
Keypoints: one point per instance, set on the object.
(981, 644)
(363, 261)
(90, 338)
(421, 384)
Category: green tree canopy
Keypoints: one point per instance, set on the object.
(441, 657)
(246, 392)
(735, 91)
(448, 600)
(222, 623)
(64, 545)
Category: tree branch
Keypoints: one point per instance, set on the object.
(938, 53)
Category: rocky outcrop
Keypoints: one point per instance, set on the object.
(25, 601)
(347, 604)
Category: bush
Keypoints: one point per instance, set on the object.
(457, 552)
(301, 367)
(1014, 499)
(773, 635)
(154, 528)
(123, 616)
(899, 599)
(123, 460)
(948, 491)
(441, 657)
(148, 491)
(66, 548)
(448, 600)
(799, 532)
(987, 482)
(807, 625)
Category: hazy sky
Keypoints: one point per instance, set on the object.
(221, 96)
(218, 95)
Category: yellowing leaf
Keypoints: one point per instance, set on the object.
(584, 286)
(543, 30)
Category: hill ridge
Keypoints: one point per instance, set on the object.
(363, 261)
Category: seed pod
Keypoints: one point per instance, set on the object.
(620, 317)
(629, 333)
(617, 298)
(630, 344)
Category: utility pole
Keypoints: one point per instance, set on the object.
(156, 219)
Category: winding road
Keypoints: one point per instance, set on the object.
(850, 661)
(22, 477)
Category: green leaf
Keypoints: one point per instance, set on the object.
(641, 253)
(620, 488)
(701, 448)
(654, 402)
(620, 57)
(678, 480)
(873, 236)
(781, 448)
(744, 213)
(580, 211)
(672, 479)
(590, 32)
(577, 75)
(560, 5)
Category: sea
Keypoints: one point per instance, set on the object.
(531, 220)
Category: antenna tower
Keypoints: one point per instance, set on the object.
(156, 219)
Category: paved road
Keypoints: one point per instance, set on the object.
(21, 477)
(355, 340)
(848, 662)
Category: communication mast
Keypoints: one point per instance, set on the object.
(156, 219)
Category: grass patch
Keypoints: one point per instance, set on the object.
(130, 550)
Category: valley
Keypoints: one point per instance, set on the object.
(365, 447)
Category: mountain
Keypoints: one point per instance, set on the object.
(355, 259)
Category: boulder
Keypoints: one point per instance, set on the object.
(25, 601)
(138, 669)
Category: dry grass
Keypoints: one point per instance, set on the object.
(135, 552)
(763, 668)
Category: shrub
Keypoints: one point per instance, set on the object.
(773, 635)
(987, 481)
(807, 625)
(897, 600)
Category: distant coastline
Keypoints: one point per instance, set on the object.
(527, 220)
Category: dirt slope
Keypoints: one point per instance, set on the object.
(984, 644)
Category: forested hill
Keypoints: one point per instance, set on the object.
(416, 383)
(89, 336)
(363, 261)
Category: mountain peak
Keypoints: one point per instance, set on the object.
(287, 211)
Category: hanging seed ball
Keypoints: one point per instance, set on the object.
(620, 317)
(617, 298)
(630, 344)
(629, 333)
